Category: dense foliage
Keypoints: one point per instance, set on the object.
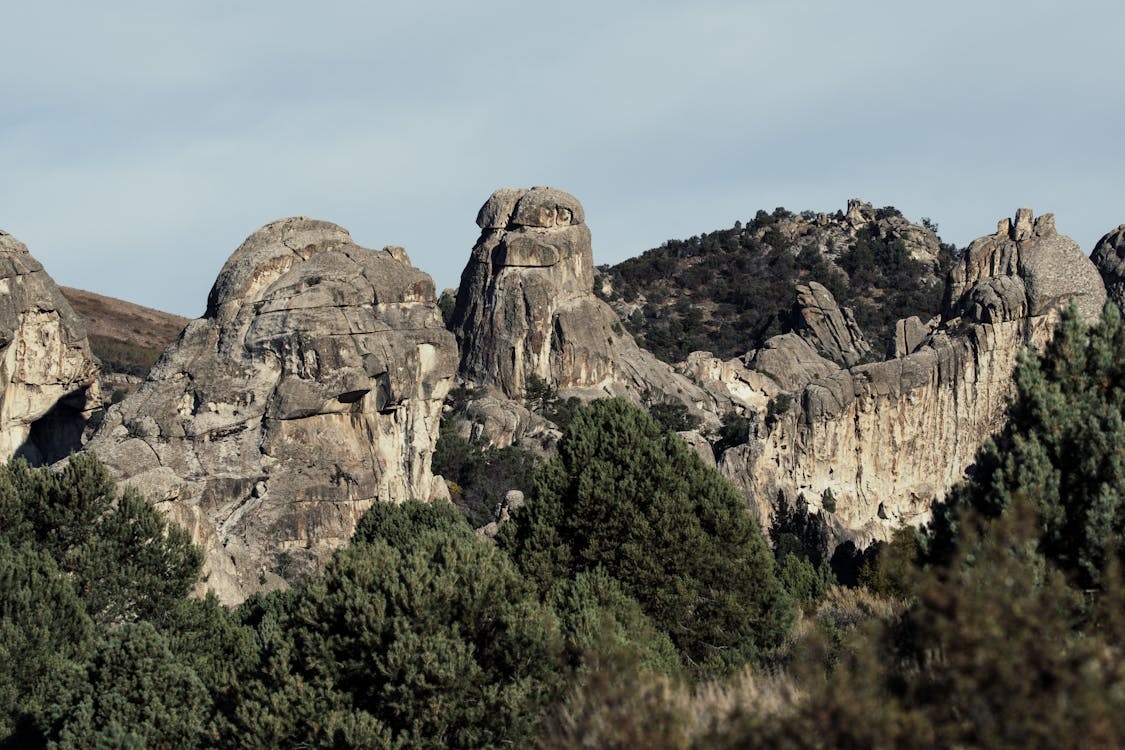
(481, 475)
(612, 612)
(416, 635)
(993, 639)
(728, 291)
(77, 559)
(627, 496)
(1063, 449)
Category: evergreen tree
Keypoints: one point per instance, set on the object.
(123, 558)
(429, 641)
(45, 635)
(627, 496)
(210, 639)
(77, 558)
(137, 694)
(400, 524)
(1063, 449)
(988, 655)
(605, 628)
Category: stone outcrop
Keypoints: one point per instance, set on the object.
(47, 374)
(831, 330)
(526, 309)
(1026, 269)
(502, 422)
(889, 438)
(1109, 257)
(311, 388)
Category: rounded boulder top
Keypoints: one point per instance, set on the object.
(268, 253)
(539, 207)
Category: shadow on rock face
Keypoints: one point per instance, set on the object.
(56, 434)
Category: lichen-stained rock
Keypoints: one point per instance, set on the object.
(890, 438)
(311, 388)
(47, 374)
(526, 308)
(1109, 257)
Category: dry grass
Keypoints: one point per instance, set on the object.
(631, 710)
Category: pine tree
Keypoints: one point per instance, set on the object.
(627, 496)
(1063, 449)
(125, 560)
(430, 640)
(45, 635)
(137, 694)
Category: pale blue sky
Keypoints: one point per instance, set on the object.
(140, 143)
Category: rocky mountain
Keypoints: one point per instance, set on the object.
(313, 385)
(874, 445)
(47, 373)
(526, 312)
(728, 291)
(311, 388)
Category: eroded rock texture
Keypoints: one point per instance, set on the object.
(889, 438)
(47, 373)
(1109, 257)
(311, 388)
(526, 308)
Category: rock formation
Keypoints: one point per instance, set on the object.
(889, 438)
(1109, 257)
(832, 331)
(47, 373)
(725, 291)
(526, 308)
(311, 388)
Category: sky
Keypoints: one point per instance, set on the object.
(141, 142)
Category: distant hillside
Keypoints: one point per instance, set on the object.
(127, 338)
(728, 291)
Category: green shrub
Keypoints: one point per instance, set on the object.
(124, 357)
(624, 494)
(483, 474)
(1062, 449)
(440, 644)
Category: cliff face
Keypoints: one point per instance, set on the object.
(47, 374)
(885, 440)
(526, 308)
(311, 388)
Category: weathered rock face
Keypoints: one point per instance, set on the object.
(1109, 257)
(311, 388)
(502, 422)
(1026, 269)
(47, 374)
(889, 438)
(526, 308)
(832, 332)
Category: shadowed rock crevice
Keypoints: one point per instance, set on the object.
(47, 373)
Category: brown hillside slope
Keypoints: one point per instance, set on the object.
(126, 337)
(125, 321)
